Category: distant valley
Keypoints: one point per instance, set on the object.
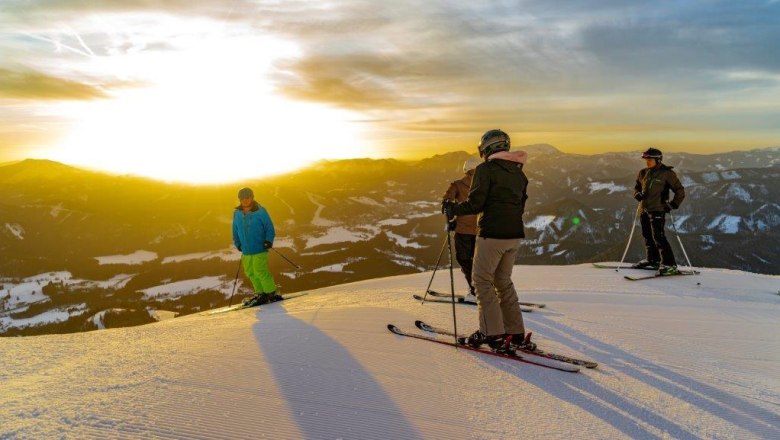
(81, 250)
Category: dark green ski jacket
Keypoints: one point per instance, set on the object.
(655, 184)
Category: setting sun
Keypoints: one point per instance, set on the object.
(206, 113)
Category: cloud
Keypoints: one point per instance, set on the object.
(717, 36)
(438, 56)
(452, 66)
(46, 10)
(392, 55)
(427, 66)
(38, 86)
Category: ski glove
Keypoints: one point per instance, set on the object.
(447, 207)
(268, 244)
(639, 196)
(451, 225)
(668, 206)
(238, 247)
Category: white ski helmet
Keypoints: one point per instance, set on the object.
(470, 164)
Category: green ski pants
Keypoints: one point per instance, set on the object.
(256, 269)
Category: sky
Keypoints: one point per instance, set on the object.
(220, 90)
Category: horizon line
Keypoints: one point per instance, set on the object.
(321, 161)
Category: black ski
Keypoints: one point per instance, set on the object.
(535, 360)
(448, 300)
(625, 266)
(558, 357)
(612, 266)
(649, 277)
(460, 298)
(240, 306)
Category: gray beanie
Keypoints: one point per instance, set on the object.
(245, 193)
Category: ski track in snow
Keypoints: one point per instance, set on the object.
(611, 187)
(137, 257)
(16, 230)
(677, 360)
(318, 220)
(187, 287)
(229, 254)
(30, 290)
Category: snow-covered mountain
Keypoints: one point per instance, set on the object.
(76, 243)
(676, 360)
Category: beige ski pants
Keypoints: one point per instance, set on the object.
(499, 310)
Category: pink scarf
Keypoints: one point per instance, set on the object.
(518, 156)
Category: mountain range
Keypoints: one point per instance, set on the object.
(83, 250)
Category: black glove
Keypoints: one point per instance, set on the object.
(673, 204)
(238, 246)
(268, 244)
(451, 225)
(639, 196)
(447, 208)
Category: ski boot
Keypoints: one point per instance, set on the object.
(522, 342)
(645, 264)
(273, 297)
(664, 270)
(500, 344)
(257, 300)
(497, 343)
(476, 339)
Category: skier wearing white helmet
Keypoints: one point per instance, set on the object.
(465, 226)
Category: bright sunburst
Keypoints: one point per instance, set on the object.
(206, 112)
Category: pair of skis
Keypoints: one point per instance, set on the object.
(536, 357)
(447, 298)
(242, 306)
(646, 277)
(461, 299)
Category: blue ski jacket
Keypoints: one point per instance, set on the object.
(251, 229)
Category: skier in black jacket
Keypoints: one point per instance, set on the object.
(652, 192)
(498, 195)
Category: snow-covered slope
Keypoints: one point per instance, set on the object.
(677, 360)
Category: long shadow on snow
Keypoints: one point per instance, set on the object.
(705, 397)
(328, 391)
(582, 391)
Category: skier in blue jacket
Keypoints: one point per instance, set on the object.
(253, 235)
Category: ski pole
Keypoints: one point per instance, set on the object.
(630, 237)
(230, 303)
(438, 260)
(677, 234)
(287, 259)
(452, 289)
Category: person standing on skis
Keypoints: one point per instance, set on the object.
(652, 192)
(465, 226)
(253, 235)
(498, 195)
